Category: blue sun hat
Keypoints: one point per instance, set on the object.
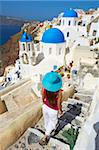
(52, 81)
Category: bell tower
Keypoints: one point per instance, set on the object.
(27, 53)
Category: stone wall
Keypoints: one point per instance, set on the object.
(16, 125)
(18, 95)
(69, 92)
(24, 111)
(3, 107)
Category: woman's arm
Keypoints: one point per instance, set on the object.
(60, 102)
(43, 95)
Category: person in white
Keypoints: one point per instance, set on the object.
(52, 99)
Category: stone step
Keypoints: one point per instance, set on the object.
(53, 144)
(78, 101)
(82, 91)
(83, 94)
(78, 121)
(69, 117)
(66, 108)
(40, 124)
(83, 97)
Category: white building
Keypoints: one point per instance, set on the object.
(94, 29)
(26, 53)
(69, 26)
(53, 44)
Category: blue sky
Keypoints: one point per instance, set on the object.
(48, 0)
(41, 10)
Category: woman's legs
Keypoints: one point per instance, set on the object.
(44, 140)
(45, 116)
(50, 119)
(53, 119)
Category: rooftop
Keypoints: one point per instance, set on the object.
(53, 35)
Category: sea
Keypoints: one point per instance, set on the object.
(39, 11)
(6, 31)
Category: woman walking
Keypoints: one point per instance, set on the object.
(52, 99)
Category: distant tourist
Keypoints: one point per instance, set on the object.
(52, 99)
(70, 66)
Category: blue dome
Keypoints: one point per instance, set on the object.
(70, 13)
(25, 37)
(53, 35)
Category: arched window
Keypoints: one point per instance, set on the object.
(24, 47)
(59, 22)
(59, 51)
(50, 51)
(69, 22)
(29, 47)
(25, 59)
(67, 34)
(67, 50)
(94, 32)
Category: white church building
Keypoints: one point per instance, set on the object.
(26, 45)
(70, 28)
(53, 44)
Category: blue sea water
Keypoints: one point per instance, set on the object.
(6, 31)
(38, 10)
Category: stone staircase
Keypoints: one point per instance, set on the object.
(75, 114)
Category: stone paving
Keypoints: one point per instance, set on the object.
(75, 112)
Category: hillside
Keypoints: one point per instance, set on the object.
(4, 20)
(9, 50)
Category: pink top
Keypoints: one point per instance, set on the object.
(46, 102)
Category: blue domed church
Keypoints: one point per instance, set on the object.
(53, 43)
(26, 53)
(69, 26)
(69, 17)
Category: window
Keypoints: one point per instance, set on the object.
(29, 47)
(24, 47)
(63, 22)
(67, 50)
(67, 34)
(25, 59)
(92, 17)
(94, 32)
(59, 51)
(80, 22)
(33, 53)
(50, 50)
(59, 23)
(69, 22)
